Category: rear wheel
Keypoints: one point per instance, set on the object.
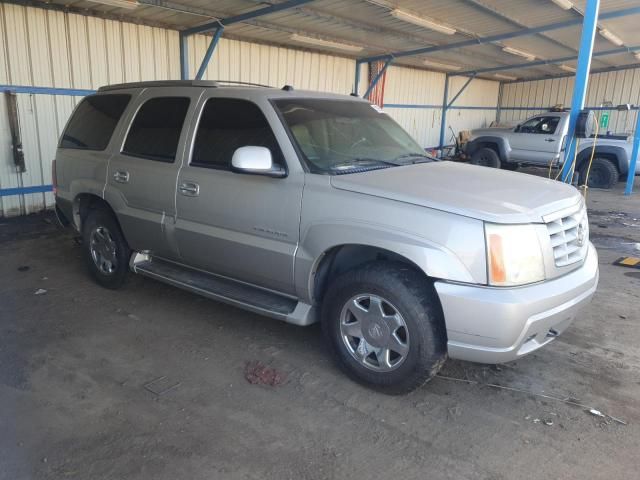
(486, 157)
(603, 173)
(105, 249)
(385, 327)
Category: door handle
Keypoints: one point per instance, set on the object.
(189, 189)
(549, 139)
(121, 176)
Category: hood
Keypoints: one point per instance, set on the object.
(490, 131)
(479, 192)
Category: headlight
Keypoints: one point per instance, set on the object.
(514, 255)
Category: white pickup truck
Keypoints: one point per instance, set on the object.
(541, 141)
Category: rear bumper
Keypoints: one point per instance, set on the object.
(497, 325)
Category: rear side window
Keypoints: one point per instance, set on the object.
(155, 131)
(94, 121)
(227, 124)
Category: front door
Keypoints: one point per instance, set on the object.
(242, 226)
(141, 179)
(538, 140)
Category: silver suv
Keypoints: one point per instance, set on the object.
(308, 207)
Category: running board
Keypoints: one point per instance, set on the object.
(223, 289)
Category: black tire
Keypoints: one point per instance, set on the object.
(603, 174)
(101, 221)
(486, 157)
(512, 167)
(414, 298)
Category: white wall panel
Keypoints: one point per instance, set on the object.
(46, 48)
(525, 99)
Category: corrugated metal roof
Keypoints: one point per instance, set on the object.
(370, 25)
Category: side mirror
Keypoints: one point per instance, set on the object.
(517, 129)
(255, 161)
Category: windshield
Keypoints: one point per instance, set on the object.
(341, 136)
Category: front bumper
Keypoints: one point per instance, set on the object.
(497, 325)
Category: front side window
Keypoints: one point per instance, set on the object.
(540, 125)
(339, 136)
(94, 121)
(155, 131)
(227, 124)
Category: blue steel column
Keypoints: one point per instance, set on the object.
(443, 117)
(581, 81)
(631, 175)
(184, 60)
(375, 81)
(210, 50)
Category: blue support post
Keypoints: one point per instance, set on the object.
(446, 105)
(581, 81)
(375, 81)
(443, 116)
(184, 60)
(631, 175)
(357, 77)
(210, 50)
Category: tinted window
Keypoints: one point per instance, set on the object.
(227, 124)
(94, 121)
(155, 131)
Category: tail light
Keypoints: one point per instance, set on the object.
(54, 179)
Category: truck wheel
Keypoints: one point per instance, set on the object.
(105, 249)
(385, 327)
(603, 173)
(486, 157)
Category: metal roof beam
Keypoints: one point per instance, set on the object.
(552, 61)
(504, 36)
(207, 27)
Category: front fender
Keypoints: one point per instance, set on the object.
(434, 259)
(504, 149)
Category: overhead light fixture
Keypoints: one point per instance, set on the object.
(563, 4)
(504, 77)
(441, 66)
(129, 4)
(519, 53)
(567, 68)
(611, 37)
(325, 43)
(422, 21)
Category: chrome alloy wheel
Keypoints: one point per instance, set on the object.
(374, 332)
(103, 250)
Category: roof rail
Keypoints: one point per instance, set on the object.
(235, 82)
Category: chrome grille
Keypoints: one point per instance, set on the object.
(569, 236)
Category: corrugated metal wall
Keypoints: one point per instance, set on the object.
(414, 99)
(525, 99)
(46, 48)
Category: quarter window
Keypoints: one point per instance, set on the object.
(94, 121)
(155, 131)
(227, 124)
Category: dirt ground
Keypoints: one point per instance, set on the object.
(78, 398)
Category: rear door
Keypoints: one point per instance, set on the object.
(538, 140)
(141, 180)
(238, 225)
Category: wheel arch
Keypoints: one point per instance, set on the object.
(83, 203)
(496, 143)
(616, 155)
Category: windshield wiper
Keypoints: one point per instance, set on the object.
(364, 162)
(425, 158)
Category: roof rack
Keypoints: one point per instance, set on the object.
(181, 83)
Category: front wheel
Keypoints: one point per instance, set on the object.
(486, 157)
(105, 249)
(385, 327)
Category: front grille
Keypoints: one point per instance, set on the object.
(569, 237)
